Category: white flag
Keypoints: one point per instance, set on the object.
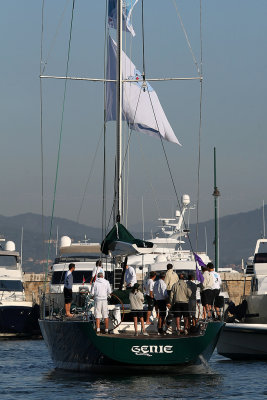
(127, 9)
(140, 104)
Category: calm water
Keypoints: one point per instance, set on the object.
(26, 372)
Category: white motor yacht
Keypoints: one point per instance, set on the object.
(18, 317)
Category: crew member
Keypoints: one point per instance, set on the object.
(100, 291)
(68, 282)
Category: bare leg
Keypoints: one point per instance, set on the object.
(207, 306)
(142, 324)
(135, 324)
(178, 323)
(147, 317)
(67, 309)
(218, 311)
(97, 320)
(106, 324)
(160, 322)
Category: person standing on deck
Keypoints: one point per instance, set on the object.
(161, 297)
(98, 268)
(171, 278)
(192, 305)
(68, 282)
(130, 277)
(101, 291)
(149, 285)
(179, 299)
(136, 303)
(215, 288)
(207, 294)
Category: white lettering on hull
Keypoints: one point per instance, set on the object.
(148, 351)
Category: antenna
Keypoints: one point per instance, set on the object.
(263, 219)
(206, 241)
(216, 194)
(143, 222)
(21, 246)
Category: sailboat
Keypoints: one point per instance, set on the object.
(73, 343)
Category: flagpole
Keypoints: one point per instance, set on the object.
(118, 206)
(216, 194)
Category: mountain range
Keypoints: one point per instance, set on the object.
(237, 236)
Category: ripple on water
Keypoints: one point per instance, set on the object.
(28, 373)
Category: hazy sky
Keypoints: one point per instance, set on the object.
(234, 107)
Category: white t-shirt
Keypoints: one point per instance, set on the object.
(149, 285)
(68, 281)
(217, 280)
(130, 277)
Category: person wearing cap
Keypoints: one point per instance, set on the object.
(161, 297)
(136, 304)
(68, 282)
(130, 277)
(101, 291)
(179, 298)
(98, 268)
(171, 278)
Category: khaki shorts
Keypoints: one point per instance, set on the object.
(101, 309)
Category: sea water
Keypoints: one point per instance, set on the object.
(27, 372)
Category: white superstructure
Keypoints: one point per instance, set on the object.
(84, 255)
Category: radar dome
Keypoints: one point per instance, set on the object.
(161, 258)
(65, 241)
(10, 246)
(185, 199)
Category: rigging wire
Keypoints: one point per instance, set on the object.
(53, 41)
(199, 70)
(168, 164)
(200, 121)
(90, 174)
(60, 137)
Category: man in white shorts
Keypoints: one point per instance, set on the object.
(100, 291)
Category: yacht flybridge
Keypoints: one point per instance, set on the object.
(18, 317)
(169, 246)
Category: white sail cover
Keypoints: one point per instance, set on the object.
(140, 104)
(127, 8)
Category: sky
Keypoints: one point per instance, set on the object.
(234, 117)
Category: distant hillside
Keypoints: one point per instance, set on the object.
(34, 250)
(238, 235)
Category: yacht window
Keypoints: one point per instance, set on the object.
(14, 286)
(260, 258)
(8, 261)
(78, 277)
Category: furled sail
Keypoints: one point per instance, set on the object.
(119, 241)
(140, 104)
(127, 8)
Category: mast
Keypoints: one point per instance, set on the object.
(118, 203)
(216, 194)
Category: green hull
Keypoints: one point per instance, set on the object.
(74, 345)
